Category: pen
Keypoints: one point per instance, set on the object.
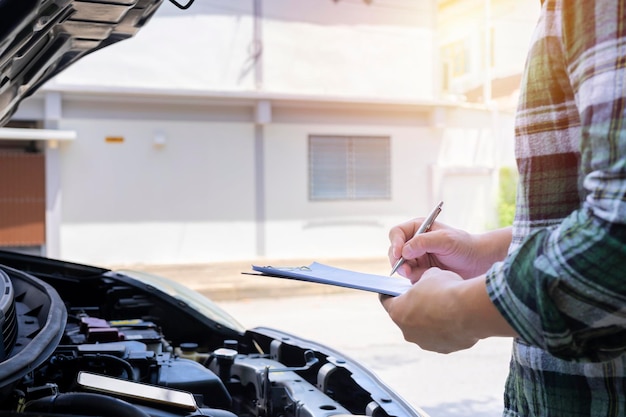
(424, 227)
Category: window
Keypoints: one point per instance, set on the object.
(455, 57)
(349, 168)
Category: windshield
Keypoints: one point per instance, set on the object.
(194, 299)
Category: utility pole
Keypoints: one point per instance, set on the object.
(257, 44)
(262, 116)
(487, 93)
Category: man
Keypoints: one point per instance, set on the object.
(556, 280)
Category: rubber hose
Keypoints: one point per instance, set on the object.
(86, 404)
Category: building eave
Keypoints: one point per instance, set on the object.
(246, 98)
(11, 133)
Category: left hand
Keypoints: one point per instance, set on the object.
(430, 314)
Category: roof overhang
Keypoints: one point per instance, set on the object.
(12, 133)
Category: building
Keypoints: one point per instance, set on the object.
(252, 129)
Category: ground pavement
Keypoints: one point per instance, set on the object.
(227, 281)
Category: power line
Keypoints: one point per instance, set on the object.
(209, 6)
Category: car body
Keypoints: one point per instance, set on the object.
(84, 340)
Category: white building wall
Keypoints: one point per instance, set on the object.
(455, 161)
(188, 200)
(365, 60)
(298, 227)
(307, 47)
(328, 68)
(180, 188)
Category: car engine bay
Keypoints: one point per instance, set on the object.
(80, 340)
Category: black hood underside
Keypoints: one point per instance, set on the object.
(39, 38)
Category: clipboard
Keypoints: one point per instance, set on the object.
(329, 275)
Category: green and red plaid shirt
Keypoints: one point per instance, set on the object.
(563, 285)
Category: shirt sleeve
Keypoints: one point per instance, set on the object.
(564, 287)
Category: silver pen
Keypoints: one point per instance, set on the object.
(424, 227)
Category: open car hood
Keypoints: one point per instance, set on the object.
(82, 340)
(39, 38)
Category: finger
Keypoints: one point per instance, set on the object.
(392, 256)
(417, 270)
(415, 273)
(397, 239)
(399, 235)
(386, 301)
(412, 269)
(433, 271)
(434, 242)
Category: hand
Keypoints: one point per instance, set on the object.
(468, 255)
(428, 313)
(444, 313)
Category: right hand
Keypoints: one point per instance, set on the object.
(445, 247)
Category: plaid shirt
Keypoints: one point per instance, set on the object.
(563, 285)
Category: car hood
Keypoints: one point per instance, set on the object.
(40, 38)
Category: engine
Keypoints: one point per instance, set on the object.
(86, 341)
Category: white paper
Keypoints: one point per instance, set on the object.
(328, 275)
